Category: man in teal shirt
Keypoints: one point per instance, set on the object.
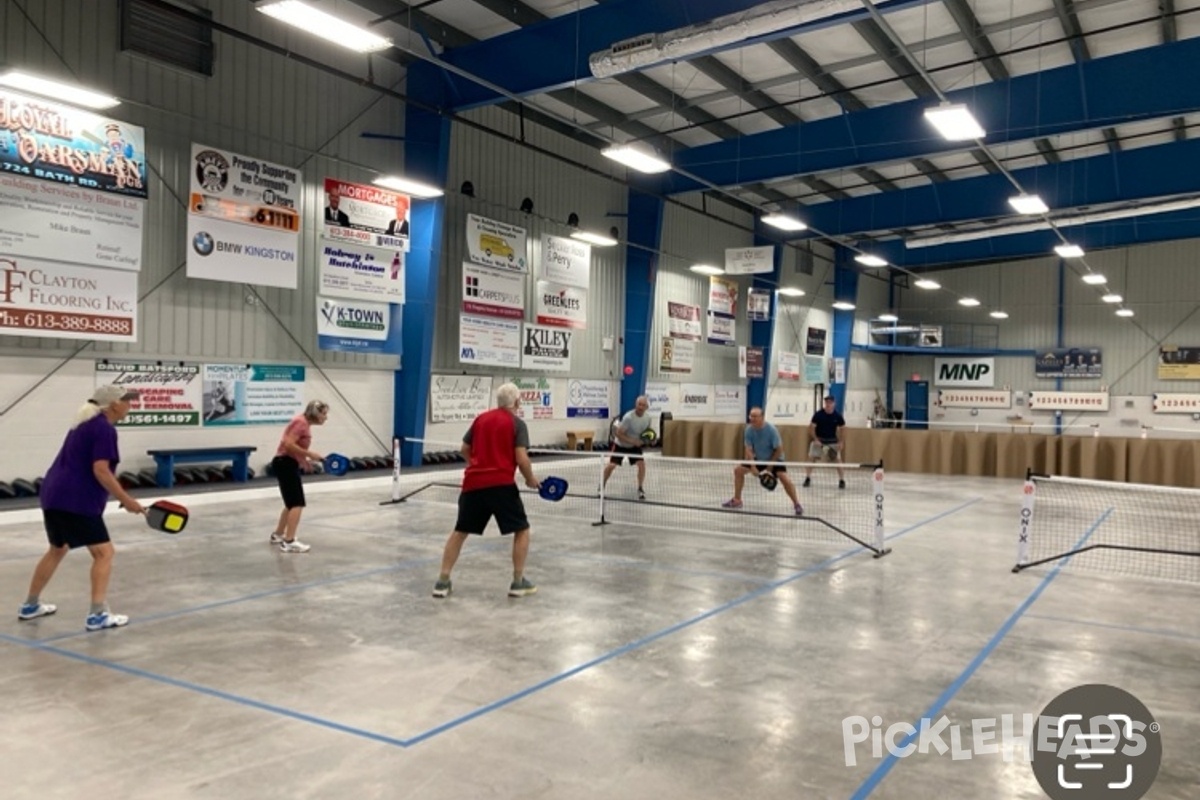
(764, 455)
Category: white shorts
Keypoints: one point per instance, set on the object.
(824, 450)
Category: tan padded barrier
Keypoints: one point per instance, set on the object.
(1165, 462)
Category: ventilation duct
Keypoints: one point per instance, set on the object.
(649, 49)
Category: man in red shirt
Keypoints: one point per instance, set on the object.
(495, 446)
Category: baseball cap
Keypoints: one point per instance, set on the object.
(107, 395)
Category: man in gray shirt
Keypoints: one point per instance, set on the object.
(627, 443)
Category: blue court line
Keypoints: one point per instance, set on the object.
(405, 743)
(1113, 626)
(889, 761)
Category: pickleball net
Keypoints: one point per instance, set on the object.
(1105, 526)
(686, 494)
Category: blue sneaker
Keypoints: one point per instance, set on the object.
(105, 619)
(35, 610)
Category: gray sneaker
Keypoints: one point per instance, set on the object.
(521, 588)
(441, 589)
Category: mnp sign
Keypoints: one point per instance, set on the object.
(965, 372)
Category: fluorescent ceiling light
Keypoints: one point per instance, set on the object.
(1069, 251)
(784, 222)
(1028, 204)
(888, 318)
(969, 302)
(598, 239)
(1124, 312)
(706, 269)
(636, 159)
(998, 315)
(791, 291)
(842, 305)
(926, 283)
(1112, 298)
(327, 26)
(66, 92)
(1094, 278)
(1145, 209)
(955, 122)
(868, 260)
(408, 186)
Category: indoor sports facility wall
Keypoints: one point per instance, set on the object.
(1159, 279)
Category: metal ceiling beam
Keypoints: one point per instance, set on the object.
(668, 100)
(1069, 18)
(807, 67)
(514, 11)
(1130, 175)
(875, 36)
(731, 80)
(1062, 100)
(1169, 34)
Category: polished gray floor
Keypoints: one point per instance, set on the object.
(652, 663)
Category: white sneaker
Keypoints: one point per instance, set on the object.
(36, 610)
(105, 619)
(276, 538)
(294, 546)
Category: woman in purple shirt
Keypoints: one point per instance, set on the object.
(73, 496)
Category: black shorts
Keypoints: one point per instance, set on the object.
(776, 469)
(477, 507)
(619, 454)
(287, 472)
(74, 530)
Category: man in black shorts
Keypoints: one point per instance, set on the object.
(826, 439)
(495, 446)
(627, 443)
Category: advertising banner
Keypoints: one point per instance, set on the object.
(722, 296)
(243, 222)
(1177, 363)
(370, 216)
(561, 306)
(677, 355)
(566, 261)
(537, 398)
(354, 326)
(493, 292)
(1069, 362)
(758, 305)
(64, 301)
(489, 341)
(684, 321)
(750, 260)
(587, 399)
(496, 244)
(361, 273)
(171, 394)
(458, 398)
(252, 394)
(547, 349)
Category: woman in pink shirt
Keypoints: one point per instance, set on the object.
(291, 458)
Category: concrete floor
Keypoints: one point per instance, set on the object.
(651, 664)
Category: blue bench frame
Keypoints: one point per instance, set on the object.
(167, 459)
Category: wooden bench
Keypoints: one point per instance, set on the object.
(574, 437)
(167, 459)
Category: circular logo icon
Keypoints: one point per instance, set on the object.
(1096, 742)
(203, 243)
(212, 170)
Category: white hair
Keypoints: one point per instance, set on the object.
(506, 395)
